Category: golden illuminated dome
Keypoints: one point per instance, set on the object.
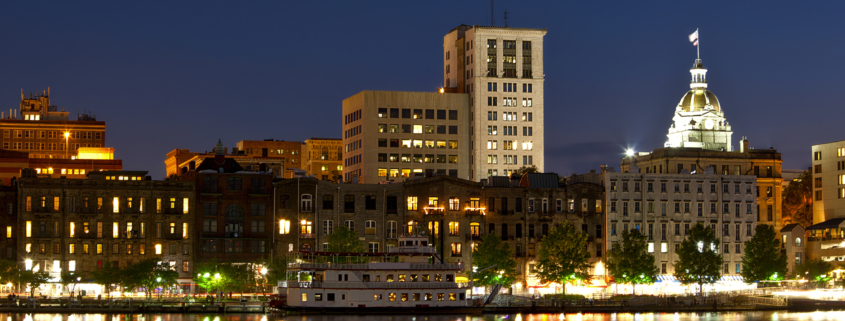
(696, 100)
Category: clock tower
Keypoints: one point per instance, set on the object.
(699, 120)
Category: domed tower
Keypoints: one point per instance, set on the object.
(699, 121)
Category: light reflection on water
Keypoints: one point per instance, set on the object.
(706, 316)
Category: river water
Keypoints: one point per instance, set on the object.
(732, 316)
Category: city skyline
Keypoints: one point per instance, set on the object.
(185, 81)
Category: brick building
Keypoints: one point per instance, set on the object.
(76, 225)
(45, 132)
(232, 224)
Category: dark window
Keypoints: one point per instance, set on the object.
(209, 185)
(406, 128)
(394, 112)
(234, 184)
(394, 143)
(406, 113)
(382, 142)
(453, 172)
(382, 157)
(392, 204)
(258, 186)
(491, 228)
(453, 115)
(453, 130)
(518, 230)
(441, 129)
(518, 205)
(349, 204)
(429, 114)
(530, 230)
(328, 202)
(491, 204)
(370, 202)
(441, 114)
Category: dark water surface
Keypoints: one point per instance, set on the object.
(730, 316)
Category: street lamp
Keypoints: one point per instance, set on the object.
(158, 280)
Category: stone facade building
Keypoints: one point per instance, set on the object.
(323, 157)
(699, 138)
(458, 212)
(665, 206)
(502, 71)
(77, 225)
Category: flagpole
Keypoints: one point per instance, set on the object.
(698, 48)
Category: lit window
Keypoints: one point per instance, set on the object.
(116, 205)
(185, 205)
(650, 247)
(284, 227)
(418, 129)
(184, 230)
(72, 229)
(28, 229)
(115, 230)
(8, 232)
(71, 265)
(664, 247)
(158, 249)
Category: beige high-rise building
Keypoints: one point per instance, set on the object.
(502, 71)
(828, 181)
(394, 135)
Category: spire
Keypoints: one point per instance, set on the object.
(699, 75)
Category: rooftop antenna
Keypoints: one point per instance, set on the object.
(492, 19)
(506, 18)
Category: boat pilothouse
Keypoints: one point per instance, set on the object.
(411, 275)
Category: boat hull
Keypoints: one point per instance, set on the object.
(421, 310)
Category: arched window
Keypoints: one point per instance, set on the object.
(305, 247)
(234, 221)
(797, 242)
(306, 202)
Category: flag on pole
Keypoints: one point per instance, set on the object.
(694, 38)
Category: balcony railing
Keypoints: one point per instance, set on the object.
(306, 235)
(474, 212)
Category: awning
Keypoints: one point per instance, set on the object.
(666, 278)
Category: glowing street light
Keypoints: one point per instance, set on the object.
(67, 143)
(629, 152)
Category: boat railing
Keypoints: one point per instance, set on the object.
(365, 266)
(377, 285)
(441, 266)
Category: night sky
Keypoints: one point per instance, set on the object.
(173, 74)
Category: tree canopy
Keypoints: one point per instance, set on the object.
(699, 260)
(563, 256)
(149, 274)
(345, 240)
(107, 276)
(814, 270)
(492, 251)
(209, 277)
(630, 262)
(763, 259)
(35, 279)
(525, 169)
(797, 205)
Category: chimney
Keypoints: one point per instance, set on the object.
(744, 145)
